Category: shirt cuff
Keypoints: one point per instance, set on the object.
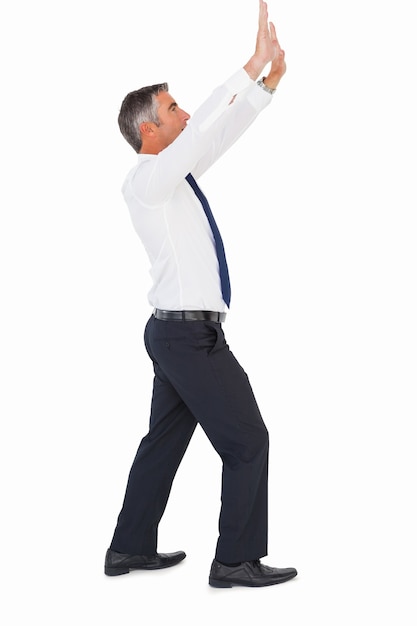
(238, 81)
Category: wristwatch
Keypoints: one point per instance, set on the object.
(262, 85)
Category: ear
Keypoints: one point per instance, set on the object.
(146, 128)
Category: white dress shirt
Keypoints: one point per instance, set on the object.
(166, 213)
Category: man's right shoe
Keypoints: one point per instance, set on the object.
(248, 574)
(117, 563)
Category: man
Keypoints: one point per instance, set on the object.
(197, 378)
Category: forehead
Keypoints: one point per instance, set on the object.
(165, 100)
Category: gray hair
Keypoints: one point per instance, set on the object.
(138, 107)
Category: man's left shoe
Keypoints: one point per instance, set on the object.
(117, 563)
(248, 574)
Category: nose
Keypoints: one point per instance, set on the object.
(185, 116)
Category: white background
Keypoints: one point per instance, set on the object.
(320, 230)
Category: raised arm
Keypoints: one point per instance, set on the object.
(217, 123)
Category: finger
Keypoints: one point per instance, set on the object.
(263, 15)
(273, 31)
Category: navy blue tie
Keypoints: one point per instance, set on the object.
(224, 272)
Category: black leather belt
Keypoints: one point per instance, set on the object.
(189, 316)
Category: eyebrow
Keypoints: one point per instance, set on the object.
(172, 105)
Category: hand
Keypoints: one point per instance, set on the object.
(278, 65)
(267, 47)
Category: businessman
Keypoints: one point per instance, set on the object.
(197, 379)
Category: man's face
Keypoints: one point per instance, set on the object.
(172, 119)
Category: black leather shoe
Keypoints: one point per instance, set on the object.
(248, 574)
(117, 563)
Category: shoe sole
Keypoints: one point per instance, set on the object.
(118, 571)
(226, 584)
(115, 571)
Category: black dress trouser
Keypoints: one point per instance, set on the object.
(198, 380)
